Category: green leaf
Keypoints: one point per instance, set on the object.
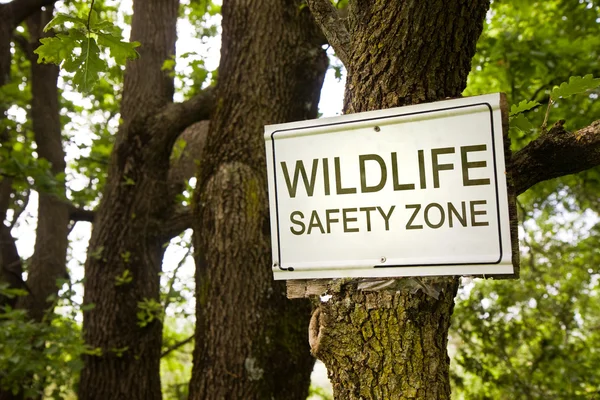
(576, 85)
(56, 49)
(60, 19)
(104, 26)
(93, 18)
(90, 66)
(18, 146)
(524, 105)
(168, 65)
(521, 123)
(121, 51)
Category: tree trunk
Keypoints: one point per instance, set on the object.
(389, 345)
(250, 340)
(49, 259)
(126, 238)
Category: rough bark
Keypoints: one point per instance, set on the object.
(250, 340)
(333, 27)
(393, 345)
(135, 204)
(556, 153)
(383, 345)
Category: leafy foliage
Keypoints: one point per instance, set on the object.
(576, 85)
(524, 105)
(44, 355)
(77, 50)
(149, 310)
(535, 337)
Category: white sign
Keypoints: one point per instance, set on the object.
(409, 191)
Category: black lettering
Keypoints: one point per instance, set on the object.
(436, 167)
(386, 218)
(364, 188)
(330, 220)
(338, 179)
(422, 179)
(299, 170)
(326, 176)
(409, 224)
(297, 222)
(442, 215)
(462, 218)
(347, 219)
(397, 185)
(474, 213)
(367, 211)
(464, 150)
(315, 222)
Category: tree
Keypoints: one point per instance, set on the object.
(249, 341)
(248, 335)
(139, 209)
(535, 337)
(393, 345)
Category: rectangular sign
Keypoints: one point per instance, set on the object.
(410, 191)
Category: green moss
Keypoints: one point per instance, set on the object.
(203, 292)
(367, 330)
(252, 198)
(359, 315)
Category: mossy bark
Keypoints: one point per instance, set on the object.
(250, 340)
(392, 345)
(385, 345)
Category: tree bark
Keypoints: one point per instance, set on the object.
(389, 345)
(48, 262)
(126, 234)
(250, 340)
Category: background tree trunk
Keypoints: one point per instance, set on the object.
(49, 259)
(250, 340)
(389, 345)
(11, 15)
(126, 234)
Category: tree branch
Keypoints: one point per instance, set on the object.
(333, 27)
(184, 165)
(79, 214)
(556, 153)
(18, 10)
(179, 222)
(23, 43)
(176, 346)
(175, 117)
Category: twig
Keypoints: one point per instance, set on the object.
(545, 123)
(176, 346)
(90, 15)
(172, 280)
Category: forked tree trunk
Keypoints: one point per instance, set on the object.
(250, 340)
(126, 238)
(389, 345)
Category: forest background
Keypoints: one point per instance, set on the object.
(535, 337)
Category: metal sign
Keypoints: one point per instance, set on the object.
(409, 191)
